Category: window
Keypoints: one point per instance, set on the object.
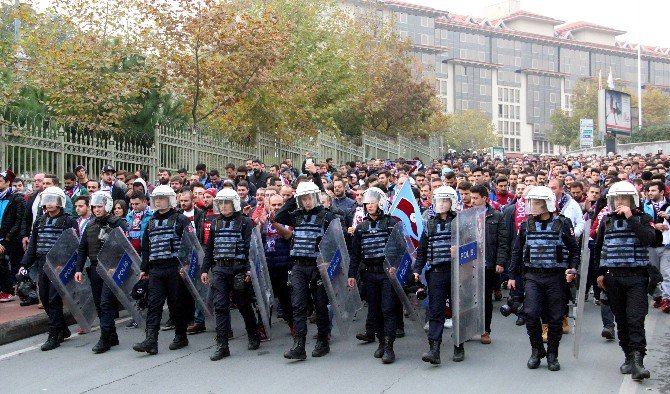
(518, 145)
(536, 80)
(480, 40)
(501, 58)
(403, 34)
(534, 63)
(424, 39)
(500, 112)
(402, 17)
(536, 96)
(517, 111)
(500, 126)
(483, 91)
(500, 94)
(463, 53)
(552, 82)
(441, 87)
(464, 87)
(481, 56)
(552, 98)
(536, 112)
(444, 68)
(463, 37)
(483, 106)
(426, 22)
(443, 34)
(506, 94)
(464, 105)
(517, 61)
(482, 73)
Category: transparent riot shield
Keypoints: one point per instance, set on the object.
(467, 274)
(119, 268)
(582, 276)
(398, 267)
(260, 279)
(190, 259)
(333, 265)
(60, 267)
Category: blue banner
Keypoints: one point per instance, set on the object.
(193, 266)
(122, 270)
(68, 271)
(467, 253)
(334, 264)
(404, 270)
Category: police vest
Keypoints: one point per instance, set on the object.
(96, 234)
(373, 237)
(306, 235)
(49, 230)
(621, 247)
(163, 238)
(228, 241)
(439, 241)
(544, 247)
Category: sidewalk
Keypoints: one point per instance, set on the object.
(18, 322)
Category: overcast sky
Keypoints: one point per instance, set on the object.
(646, 20)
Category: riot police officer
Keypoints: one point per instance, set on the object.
(546, 247)
(46, 231)
(622, 254)
(160, 250)
(92, 239)
(309, 222)
(227, 254)
(435, 249)
(367, 246)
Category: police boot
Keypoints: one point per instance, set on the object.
(254, 340)
(150, 344)
(638, 370)
(367, 336)
(536, 356)
(113, 338)
(297, 351)
(179, 341)
(389, 354)
(627, 367)
(459, 353)
(222, 349)
(103, 344)
(322, 348)
(433, 355)
(64, 334)
(380, 350)
(552, 358)
(52, 341)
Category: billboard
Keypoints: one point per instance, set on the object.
(586, 133)
(617, 113)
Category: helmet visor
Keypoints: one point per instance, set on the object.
(308, 201)
(98, 200)
(223, 205)
(162, 202)
(52, 199)
(441, 204)
(536, 206)
(613, 202)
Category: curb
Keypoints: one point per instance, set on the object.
(27, 327)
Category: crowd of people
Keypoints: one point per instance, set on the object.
(535, 212)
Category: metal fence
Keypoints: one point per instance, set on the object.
(31, 144)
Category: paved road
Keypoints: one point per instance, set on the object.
(499, 367)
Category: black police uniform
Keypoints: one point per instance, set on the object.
(435, 249)
(367, 247)
(497, 254)
(308, 229)
(545, 248)
(227, 254)
(45, 232)
(160, 250)
(106, 304)
(622, 255)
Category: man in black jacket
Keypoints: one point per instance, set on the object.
(12, 207)
(109, 184)
(92, 239)
(497, 252)
(32, 208)
(258, 177)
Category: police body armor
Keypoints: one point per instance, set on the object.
(439, 241)
(307, 234)
(97, 233)
(49, 230)
(544, 247)
(165, 243)
(228, 241)
(621, 247)
(374, 236)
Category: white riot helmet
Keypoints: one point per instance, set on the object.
(163, 191)
(103, 199)
(441, 195)
(539, 200)
(307, 189)
(375, 195)
(623, 189)
(53, 195)
(226, 195)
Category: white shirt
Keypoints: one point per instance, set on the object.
(573, 211)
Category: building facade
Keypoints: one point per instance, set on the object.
(516, 66)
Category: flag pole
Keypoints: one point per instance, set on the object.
(639, 85)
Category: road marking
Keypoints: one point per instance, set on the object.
(31, 348)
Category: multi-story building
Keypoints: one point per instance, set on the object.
(516, 66)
